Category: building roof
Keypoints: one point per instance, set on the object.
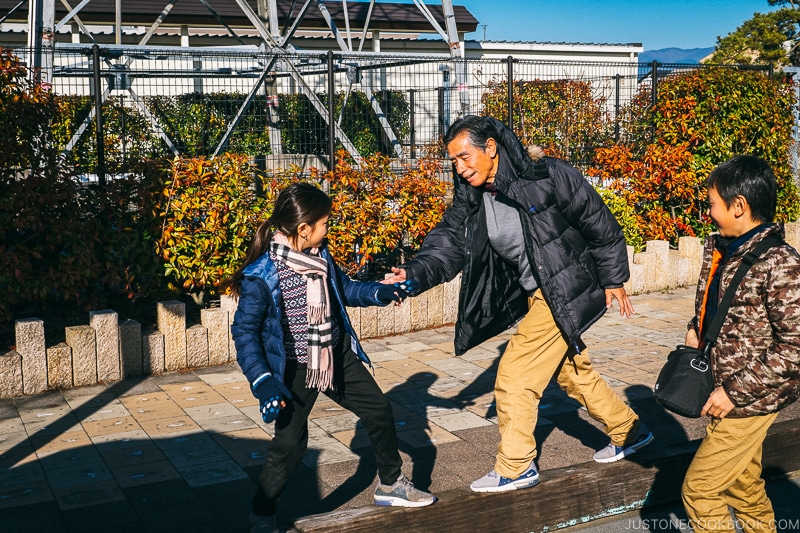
(552, 43)
(385, 15)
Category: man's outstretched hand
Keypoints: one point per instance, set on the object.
(625, 304)
(398, 276)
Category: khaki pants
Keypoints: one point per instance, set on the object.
(726, 471)
(536, 351)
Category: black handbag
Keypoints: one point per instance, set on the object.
(686, 380)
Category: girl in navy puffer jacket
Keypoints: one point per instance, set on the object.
(294, 340)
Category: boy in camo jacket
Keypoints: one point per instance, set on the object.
(756, 359)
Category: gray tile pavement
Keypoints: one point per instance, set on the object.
(183, 449)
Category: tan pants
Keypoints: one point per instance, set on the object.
(726, 471)
(536, 351)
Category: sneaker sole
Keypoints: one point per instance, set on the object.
(626, 452)
(389, 501)
(526, 484)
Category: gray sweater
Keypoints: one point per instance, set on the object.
(505, 236)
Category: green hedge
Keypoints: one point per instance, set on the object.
(195, 123)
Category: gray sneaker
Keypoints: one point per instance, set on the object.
(263, 524)
(494, 482)
(402, 494)
(612, 453)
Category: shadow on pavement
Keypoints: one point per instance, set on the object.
(133, 485)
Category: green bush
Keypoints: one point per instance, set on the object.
(64, 244)
(722, 112)
(627, 217)
(196, 122)
(702, 118)
(657, 194)
(67, 243)
(209, 211)
(566, 117)
(25, 113)
(304, 131)
(128, 136)
(387, 213)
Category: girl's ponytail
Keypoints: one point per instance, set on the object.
(257, 248)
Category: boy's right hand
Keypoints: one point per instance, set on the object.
(691, 339)
(271, 393)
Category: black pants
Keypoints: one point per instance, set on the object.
(356, 391)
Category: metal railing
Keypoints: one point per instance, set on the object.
(123, 104)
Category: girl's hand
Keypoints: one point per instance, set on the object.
(271, 393)
(396, 292)
(387, 294)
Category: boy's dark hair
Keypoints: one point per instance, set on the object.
(478, 128)
(296, 204)
(750, 177)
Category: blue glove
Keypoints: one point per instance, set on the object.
(397, 292)
(409, 286)
(270, 393)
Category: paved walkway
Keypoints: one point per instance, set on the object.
(180, 451)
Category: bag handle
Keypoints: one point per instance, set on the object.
(710, 337)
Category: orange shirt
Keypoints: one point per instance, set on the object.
(716, 260)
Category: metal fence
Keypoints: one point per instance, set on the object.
(123, 104)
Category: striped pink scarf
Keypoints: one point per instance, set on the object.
(314, 269)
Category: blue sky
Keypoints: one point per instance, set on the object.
(654, 23)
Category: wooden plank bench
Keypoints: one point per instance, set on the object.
(568, 495)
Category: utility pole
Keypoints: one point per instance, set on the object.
(457, 53)
(794, 71)
(41, 34)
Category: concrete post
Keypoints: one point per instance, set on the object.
(130, 349)
(153, 353)
(452, 290)
(385, 320)
(31, 346)
(216, 322)
(84, 354)
(435, 306)
(106, 327)
(419, 311)
(171, 319)
(59, 367)
(10, 375)
(196, 346)
(229, 303)
(369, 322)
(354, 313)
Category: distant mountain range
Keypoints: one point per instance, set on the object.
(675, 55)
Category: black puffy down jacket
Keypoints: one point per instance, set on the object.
(573, 241)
